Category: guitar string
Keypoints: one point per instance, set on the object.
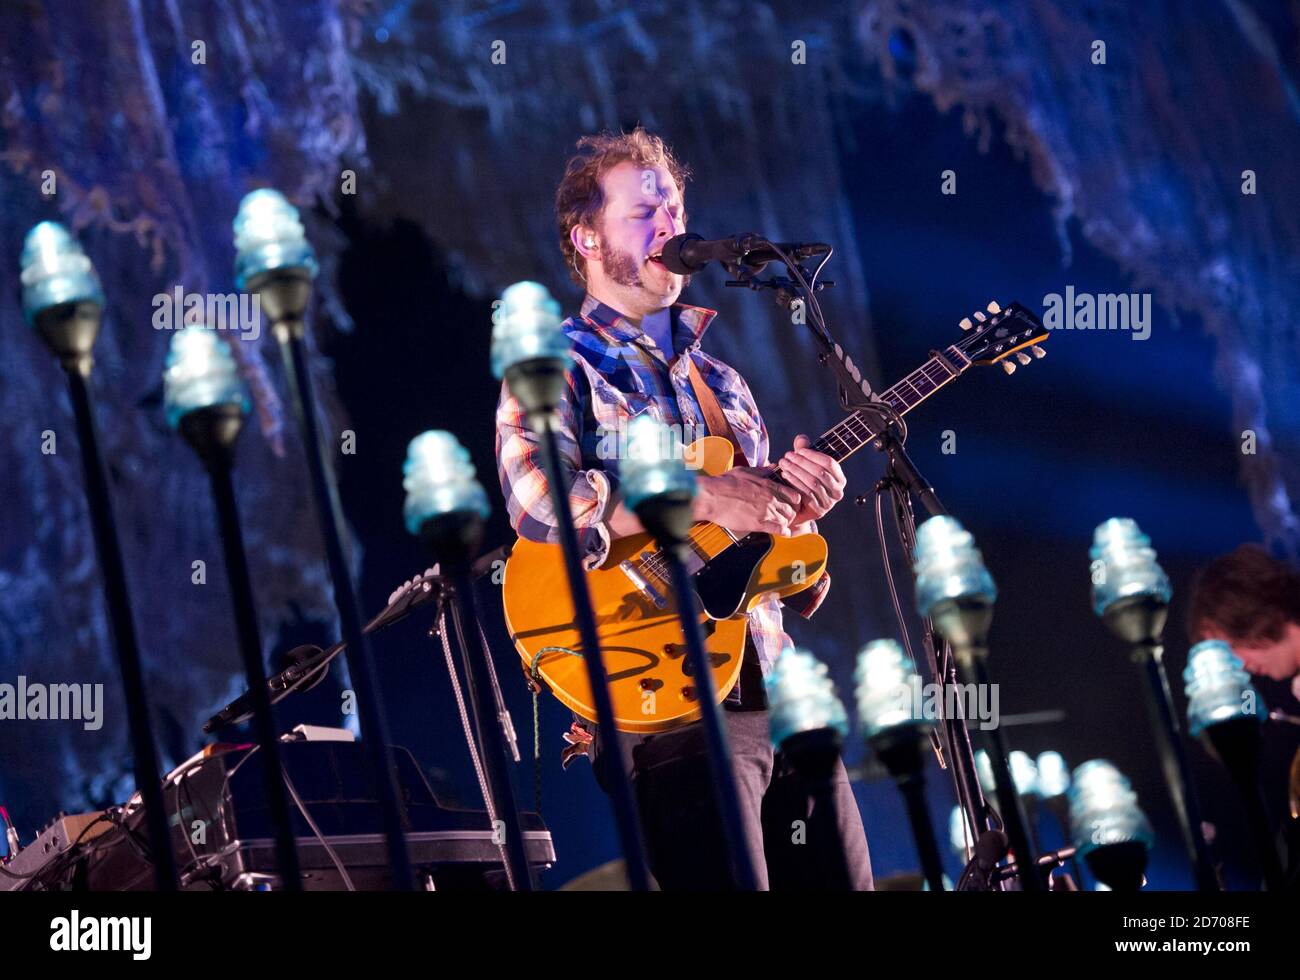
(712, 536)
(718, 537)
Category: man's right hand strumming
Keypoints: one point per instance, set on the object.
(745, 499)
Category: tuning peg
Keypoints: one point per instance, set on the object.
(1022, 357)
(1008, 366)
(993, 307)
(980, 317)
(1038, 351)
(965, 323)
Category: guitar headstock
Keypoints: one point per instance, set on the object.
(1001, 335)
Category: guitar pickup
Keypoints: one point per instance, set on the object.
(642, 585)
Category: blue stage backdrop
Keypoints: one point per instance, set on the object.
(953, 152)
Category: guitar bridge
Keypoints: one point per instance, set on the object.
(642, 585)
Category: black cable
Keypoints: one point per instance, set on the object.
(887, 412)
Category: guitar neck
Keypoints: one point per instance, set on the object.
(847, 437)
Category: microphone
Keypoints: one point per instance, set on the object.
(689, 253)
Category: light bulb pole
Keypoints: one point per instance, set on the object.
(1108, 827)
(965, 625)
(274, 261)
(812, 755)
(956, 592)
(668, 518)
(1139, 622)
(900, 739)
(620, 789)
(1227, 712)
(808, 725)
(287, 295)
(211, 431)
(909, 776)
(530, 353)
(1131, 594)
(67, 319)
(1237, 744)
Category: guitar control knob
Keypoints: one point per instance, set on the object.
(1022, 357)
(1009, 367)
(1037, 351)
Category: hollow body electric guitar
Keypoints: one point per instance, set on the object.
(635, 609)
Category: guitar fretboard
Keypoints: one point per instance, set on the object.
(850, 435)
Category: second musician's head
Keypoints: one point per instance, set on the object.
(1252, 601)
(620, 199)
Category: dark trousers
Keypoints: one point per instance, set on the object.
(795, 841)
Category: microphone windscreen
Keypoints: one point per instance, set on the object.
(671, 257)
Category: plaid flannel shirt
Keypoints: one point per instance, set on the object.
(619, 373)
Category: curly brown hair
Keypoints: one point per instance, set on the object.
(1247, 593)
(579, 199)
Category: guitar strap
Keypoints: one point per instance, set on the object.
(804, 603)
(713, 415)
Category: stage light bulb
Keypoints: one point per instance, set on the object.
(1053, 775)
(654, 463)
(886, 682)
(1104, 809)
(801, 697)
(55, 270)
(526, 327)
(200, 373)
(984, 772)
(949, 566)
(1218, 687)
(959, 831)
(439, 479)
(1124, 565)
(1024, 773)
(269, 236)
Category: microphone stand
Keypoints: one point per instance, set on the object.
(308, 670)
(212, 432)
(1059, 807)
(69, 329)
(900, 473)
(454, 538)
(904, 480)
(284, 295)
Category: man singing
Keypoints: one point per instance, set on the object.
(637, 350)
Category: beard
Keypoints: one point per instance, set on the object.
(624, 270)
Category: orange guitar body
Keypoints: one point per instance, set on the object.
(636, 613)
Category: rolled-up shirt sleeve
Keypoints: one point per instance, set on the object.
(521, 467)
